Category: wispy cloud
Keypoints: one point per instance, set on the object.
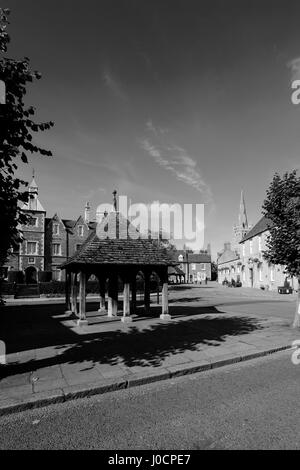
(114, 84)
(294, 66)
(156, 130)
(176, 160)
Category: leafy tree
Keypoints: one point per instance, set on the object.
(16, 139)
(214, 271)
(282, 208)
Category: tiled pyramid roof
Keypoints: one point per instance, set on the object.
(101, 247)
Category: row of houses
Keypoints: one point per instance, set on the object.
(244, 261)
(49, 242)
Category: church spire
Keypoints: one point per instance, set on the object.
(242, 227)
(243, 220)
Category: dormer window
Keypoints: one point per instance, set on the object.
(55, 229)
(180, 258)
(80, 230)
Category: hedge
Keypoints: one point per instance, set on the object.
(7, 288)
(15, 276)
(58, 287)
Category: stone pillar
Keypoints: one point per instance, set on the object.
(102, 295)
(165, 304)
(133, 294)
(113, 296)
(126, 318)
(82, 300)
(147, 292)
(68, 286)
(74, 293)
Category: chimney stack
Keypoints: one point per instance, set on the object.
(227, 246)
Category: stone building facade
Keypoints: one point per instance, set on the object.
(47, 242)
(196, 266)
(245, 262)
(256, 271)
(229, 262)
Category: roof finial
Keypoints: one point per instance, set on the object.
(115, 200)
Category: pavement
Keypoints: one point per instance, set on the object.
(52, 360)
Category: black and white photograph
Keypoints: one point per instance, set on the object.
(150, 228)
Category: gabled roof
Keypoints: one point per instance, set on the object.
(199, 258)
(262, 226)
(102, 248)
(69, 224)
(175, 270)
(228, 255)
(80, 221)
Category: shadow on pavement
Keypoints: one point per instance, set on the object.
(133, 346)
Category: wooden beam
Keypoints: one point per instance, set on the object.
(126, 318)
(74, 293)
(147, 291)
(164, 298)
(113, 296)
(82, 300)
(67, 291)
(133, 294)
(102, 295)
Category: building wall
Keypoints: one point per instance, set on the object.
(53, 261)
(257, 272)
(229, 270)
(200, 271)
(20, 259)
(196, 272)
(75, 238)
(69, 242)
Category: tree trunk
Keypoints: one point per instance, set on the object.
(296, 323)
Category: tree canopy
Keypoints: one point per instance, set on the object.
(282, 209)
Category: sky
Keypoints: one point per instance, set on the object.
(177, 101)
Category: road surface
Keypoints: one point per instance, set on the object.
(251, 405)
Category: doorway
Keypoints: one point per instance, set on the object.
(31, 275)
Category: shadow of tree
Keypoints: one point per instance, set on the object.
(143, 347)
(185, 299)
